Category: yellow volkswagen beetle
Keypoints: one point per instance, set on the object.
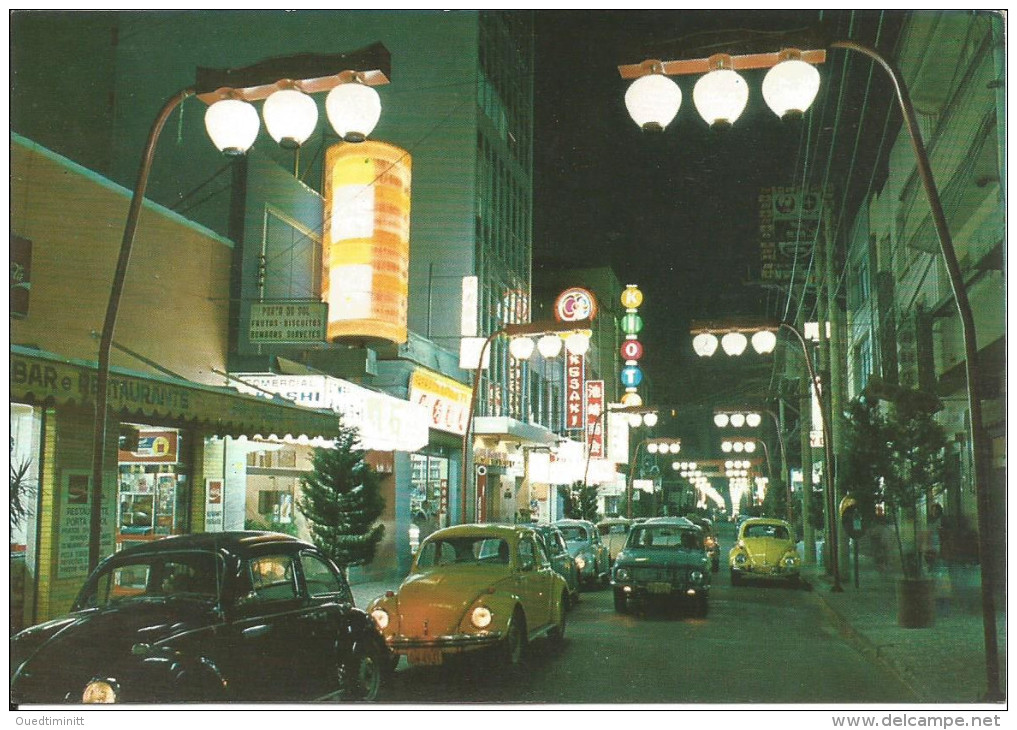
(474, 587)
(765, 549)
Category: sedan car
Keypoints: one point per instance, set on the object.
(592, 556)
(219, 617)
(551, 540)
(473, 588)
(663, 557)
(765, 549)
(613, 533)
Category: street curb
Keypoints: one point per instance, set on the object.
(866, 646)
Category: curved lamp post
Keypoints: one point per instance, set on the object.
(653, 446)
(789, 88)
(763, 339)
(647, 416)
(521, 347)
(232, 125)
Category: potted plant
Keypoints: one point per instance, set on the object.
(900, 458)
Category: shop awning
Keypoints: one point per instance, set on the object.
(511, 428)
(43, 378)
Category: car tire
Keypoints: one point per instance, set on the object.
(793, 581)
(512, 648)
(621, 602)
(362, 678)
(736, 578)
(556, 637)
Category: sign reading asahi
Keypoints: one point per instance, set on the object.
(287, 322)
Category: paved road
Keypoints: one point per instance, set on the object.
(759, 644)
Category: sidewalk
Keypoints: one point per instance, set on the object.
(944, 663)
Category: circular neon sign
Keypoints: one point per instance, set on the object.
(575, 304)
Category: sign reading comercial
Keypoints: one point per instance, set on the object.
(384, 423)
(365, 276)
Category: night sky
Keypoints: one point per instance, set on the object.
(675, 212)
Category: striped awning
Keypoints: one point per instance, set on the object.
(43, 378)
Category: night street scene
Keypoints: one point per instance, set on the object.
(508, 361)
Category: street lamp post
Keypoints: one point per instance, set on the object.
(789, 88)
(763, 338)
(576, 341)
(653, 446)
(232, 124)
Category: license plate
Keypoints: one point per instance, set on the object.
(658, 587)
(425, 657)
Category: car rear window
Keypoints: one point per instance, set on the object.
(183, 574)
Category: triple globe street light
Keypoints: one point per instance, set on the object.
(231, 121)
(789, 88)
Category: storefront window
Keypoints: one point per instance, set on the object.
(428, 496)
(153, 484)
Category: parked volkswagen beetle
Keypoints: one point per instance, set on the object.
(217, 617)
(765, 549)
(474, 589)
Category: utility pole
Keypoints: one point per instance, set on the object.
(836, 382)
(805, 427)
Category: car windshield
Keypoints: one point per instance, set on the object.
(665, 536)
(775, 531)
(471, 550)
(574, 533)
(189, 574)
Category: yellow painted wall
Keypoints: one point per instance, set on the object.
(175, 302)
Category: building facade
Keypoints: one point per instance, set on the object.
(903, 324)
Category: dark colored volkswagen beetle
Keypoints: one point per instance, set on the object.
(217, 617)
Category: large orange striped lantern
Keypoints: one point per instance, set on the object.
(366, 257)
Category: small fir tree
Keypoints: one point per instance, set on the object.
(342, 502)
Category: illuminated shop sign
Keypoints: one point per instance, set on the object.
(575, 304)
(575, 375)
(385, 423)
(447, 401)
(594, 418)
(365, 276)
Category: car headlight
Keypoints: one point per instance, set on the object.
(380, 616)
(100, 692)
(789, 561)
(481, 617)
(621, 574)
(740, 558)
(696, 576)
(580, 562)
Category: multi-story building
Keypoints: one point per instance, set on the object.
(459, 102)
(903, 320)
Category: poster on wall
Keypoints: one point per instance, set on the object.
(214, 516)
(75, 517)
(155, 446)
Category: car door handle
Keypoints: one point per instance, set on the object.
(253, 632)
